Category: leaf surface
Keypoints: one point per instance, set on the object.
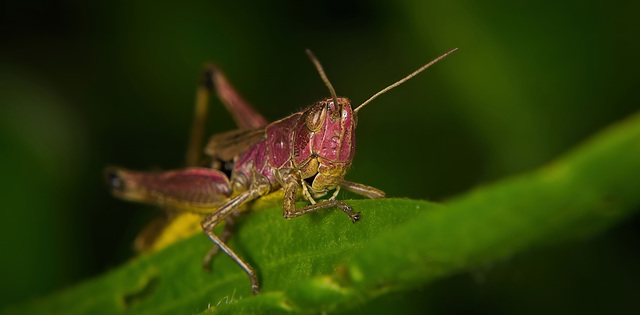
(323, 262)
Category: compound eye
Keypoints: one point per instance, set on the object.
(315, 118)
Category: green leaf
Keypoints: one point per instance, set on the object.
(323, 262)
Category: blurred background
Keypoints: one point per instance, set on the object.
(86, 85)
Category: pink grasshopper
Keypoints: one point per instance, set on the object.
(308, 152)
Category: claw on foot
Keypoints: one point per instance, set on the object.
(356, 217)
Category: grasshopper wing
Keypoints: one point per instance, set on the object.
(224, 146)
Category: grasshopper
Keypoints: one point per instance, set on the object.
(307, 153)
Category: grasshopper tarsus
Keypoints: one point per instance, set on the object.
(355, 218)
(206, 264)
(255, 289)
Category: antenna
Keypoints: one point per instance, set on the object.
(403, 80)
(323, 76)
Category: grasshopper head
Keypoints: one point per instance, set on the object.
(333, 135)
(332, 139)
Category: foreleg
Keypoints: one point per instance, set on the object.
(291, 186)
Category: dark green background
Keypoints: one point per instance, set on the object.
(86, 85)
